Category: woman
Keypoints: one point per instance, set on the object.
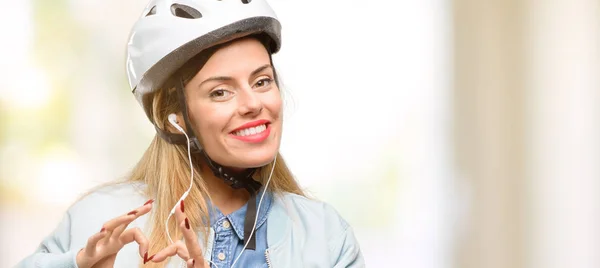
(220, 195)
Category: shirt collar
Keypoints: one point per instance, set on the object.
(237, 217)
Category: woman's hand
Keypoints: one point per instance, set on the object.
(190, 251)
(102, 248)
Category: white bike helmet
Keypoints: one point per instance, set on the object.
(171, 32)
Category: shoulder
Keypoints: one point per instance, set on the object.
(88, 214)
(312, 220)
(304, 208)
(110, 198)
(312, 228)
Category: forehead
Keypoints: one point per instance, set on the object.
(239, 57)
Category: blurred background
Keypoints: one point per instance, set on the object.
(459, 134)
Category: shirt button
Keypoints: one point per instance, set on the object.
(221, 256)
(226, 224)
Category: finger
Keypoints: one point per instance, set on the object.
(136, 213)
(191, 263)
(189, 234)
(116, 222)
(177, 248)
(190, 239)
(135, 234)
(116, 233)
(180, 212)
(90, 247)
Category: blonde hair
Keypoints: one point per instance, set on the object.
(165, 170)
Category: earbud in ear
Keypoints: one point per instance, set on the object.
(173, 120)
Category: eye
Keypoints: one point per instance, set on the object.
(263, 82)
(219, 94)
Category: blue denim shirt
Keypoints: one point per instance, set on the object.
(229, 236)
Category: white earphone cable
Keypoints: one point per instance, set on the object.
(189, 188)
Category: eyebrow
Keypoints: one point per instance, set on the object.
(227, 78)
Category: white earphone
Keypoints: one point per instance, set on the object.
(173, 120)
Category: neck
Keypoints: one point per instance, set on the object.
(223, 196)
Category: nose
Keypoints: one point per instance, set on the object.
(250, 103)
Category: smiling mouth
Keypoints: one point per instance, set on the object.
(251, 131)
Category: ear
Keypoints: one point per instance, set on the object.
(179, 121)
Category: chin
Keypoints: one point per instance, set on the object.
(258, 162)
(254, 159)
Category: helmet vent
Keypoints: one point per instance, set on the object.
(184, 11)
(152, 11)
(246, 1)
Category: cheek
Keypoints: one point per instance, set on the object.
(207, 122)
(274, 103)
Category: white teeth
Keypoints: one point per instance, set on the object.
(251, 131)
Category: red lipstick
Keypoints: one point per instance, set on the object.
(253, 138)
(251, 124)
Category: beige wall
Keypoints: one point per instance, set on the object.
(527, 121)
(489, 129)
